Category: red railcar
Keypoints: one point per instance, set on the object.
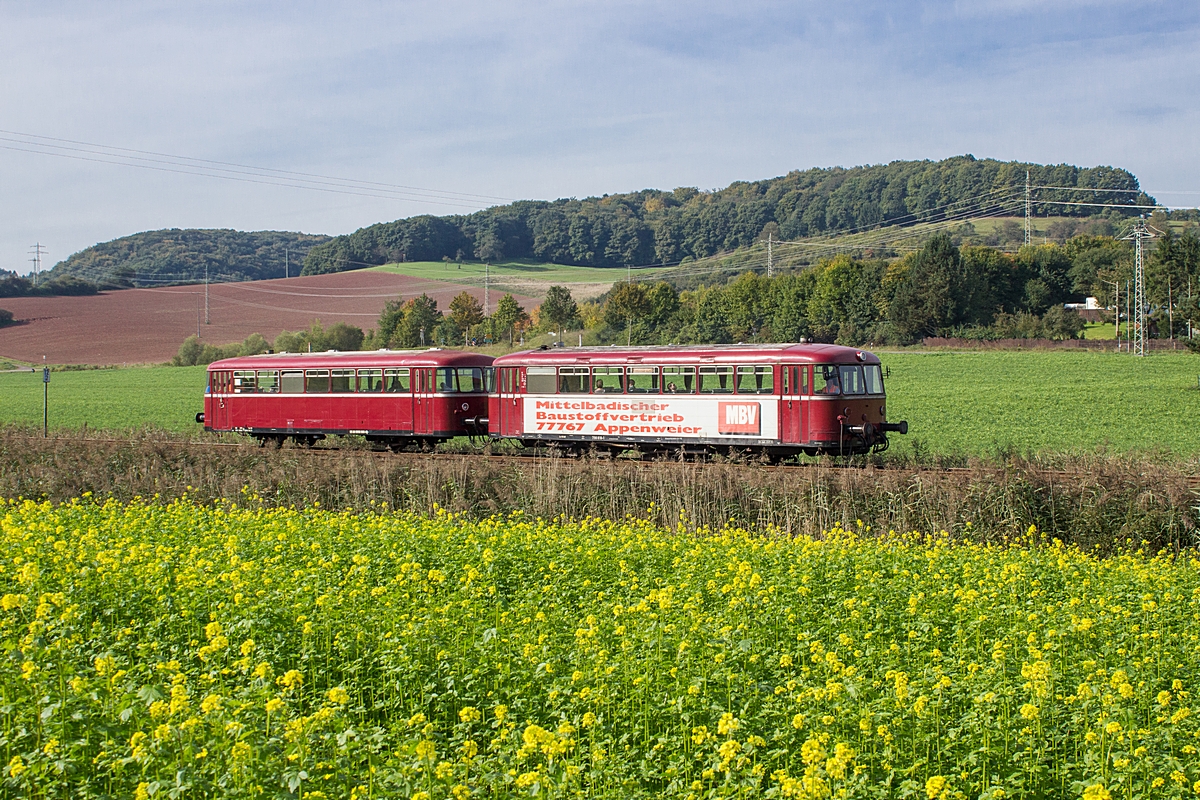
(394, 397)
(778, 399)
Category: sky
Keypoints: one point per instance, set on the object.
(468, 104)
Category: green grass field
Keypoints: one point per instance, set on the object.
(165, 397)
(994, 401)
(522, 277)
(981, 403)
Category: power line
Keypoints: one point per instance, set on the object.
(256, 175)
(111, 149)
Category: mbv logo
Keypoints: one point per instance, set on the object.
(738, 418)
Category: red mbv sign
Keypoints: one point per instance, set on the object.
(738, 418)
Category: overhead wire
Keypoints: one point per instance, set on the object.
(201, 173)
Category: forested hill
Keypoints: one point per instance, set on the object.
(178, 256)
(652, 226)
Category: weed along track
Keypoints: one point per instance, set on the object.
(1086, 500)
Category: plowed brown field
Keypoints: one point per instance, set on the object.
(136, 326)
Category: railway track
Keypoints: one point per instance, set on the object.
(325, 451)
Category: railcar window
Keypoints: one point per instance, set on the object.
(852, 380)
(316, 381)
(803, 379)
(470, 379)
(396, 380)
(540, 380)
(243, 381)
(715, 380)
(756, 380)
(370, 380)
(678, 380)
(642, 380)
(445, 381)
(341, 380)
(292, 381)
(268, 381)
(826, 379)
(608, 380)
(489, 379)
(874, 378)
(574, 380)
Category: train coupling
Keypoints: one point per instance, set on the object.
(200, 418)
(895, 427)
(476, 426)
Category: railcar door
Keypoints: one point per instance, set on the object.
(223, 401)
(792, 408)
(508, 387)
(423, 401)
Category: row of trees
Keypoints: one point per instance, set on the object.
(404, 324)
(939, 290)
(652, 226)
(14, 285)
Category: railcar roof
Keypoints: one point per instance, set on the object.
(434, 357)
(670, 354)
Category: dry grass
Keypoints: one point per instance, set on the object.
(1095, 500)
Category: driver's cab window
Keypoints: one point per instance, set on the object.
(826, 379)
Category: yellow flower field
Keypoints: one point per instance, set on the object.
(187, 651)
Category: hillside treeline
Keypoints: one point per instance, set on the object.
(652, 226)
(153, 258)
(940, 290)
(14, 285)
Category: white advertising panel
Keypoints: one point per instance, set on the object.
(654, 416)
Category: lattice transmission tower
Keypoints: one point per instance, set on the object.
(1141, 231)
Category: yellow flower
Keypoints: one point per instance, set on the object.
(1096, 792)
(727, 724)
(1030, 711)
(426, 751)
(16, 766)
(292, 679)
(338, 695)
(936, 787)
(469, 714)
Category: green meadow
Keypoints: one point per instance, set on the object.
(956, 402)
(523, 277)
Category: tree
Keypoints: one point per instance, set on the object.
(508, 317)
(627, 302)
(189, 352)
(253, 345)
(390, 320)
(341, 336)
(664, 304)
(926, 299)
(465, 310)
(421, 316)
(559, 309)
